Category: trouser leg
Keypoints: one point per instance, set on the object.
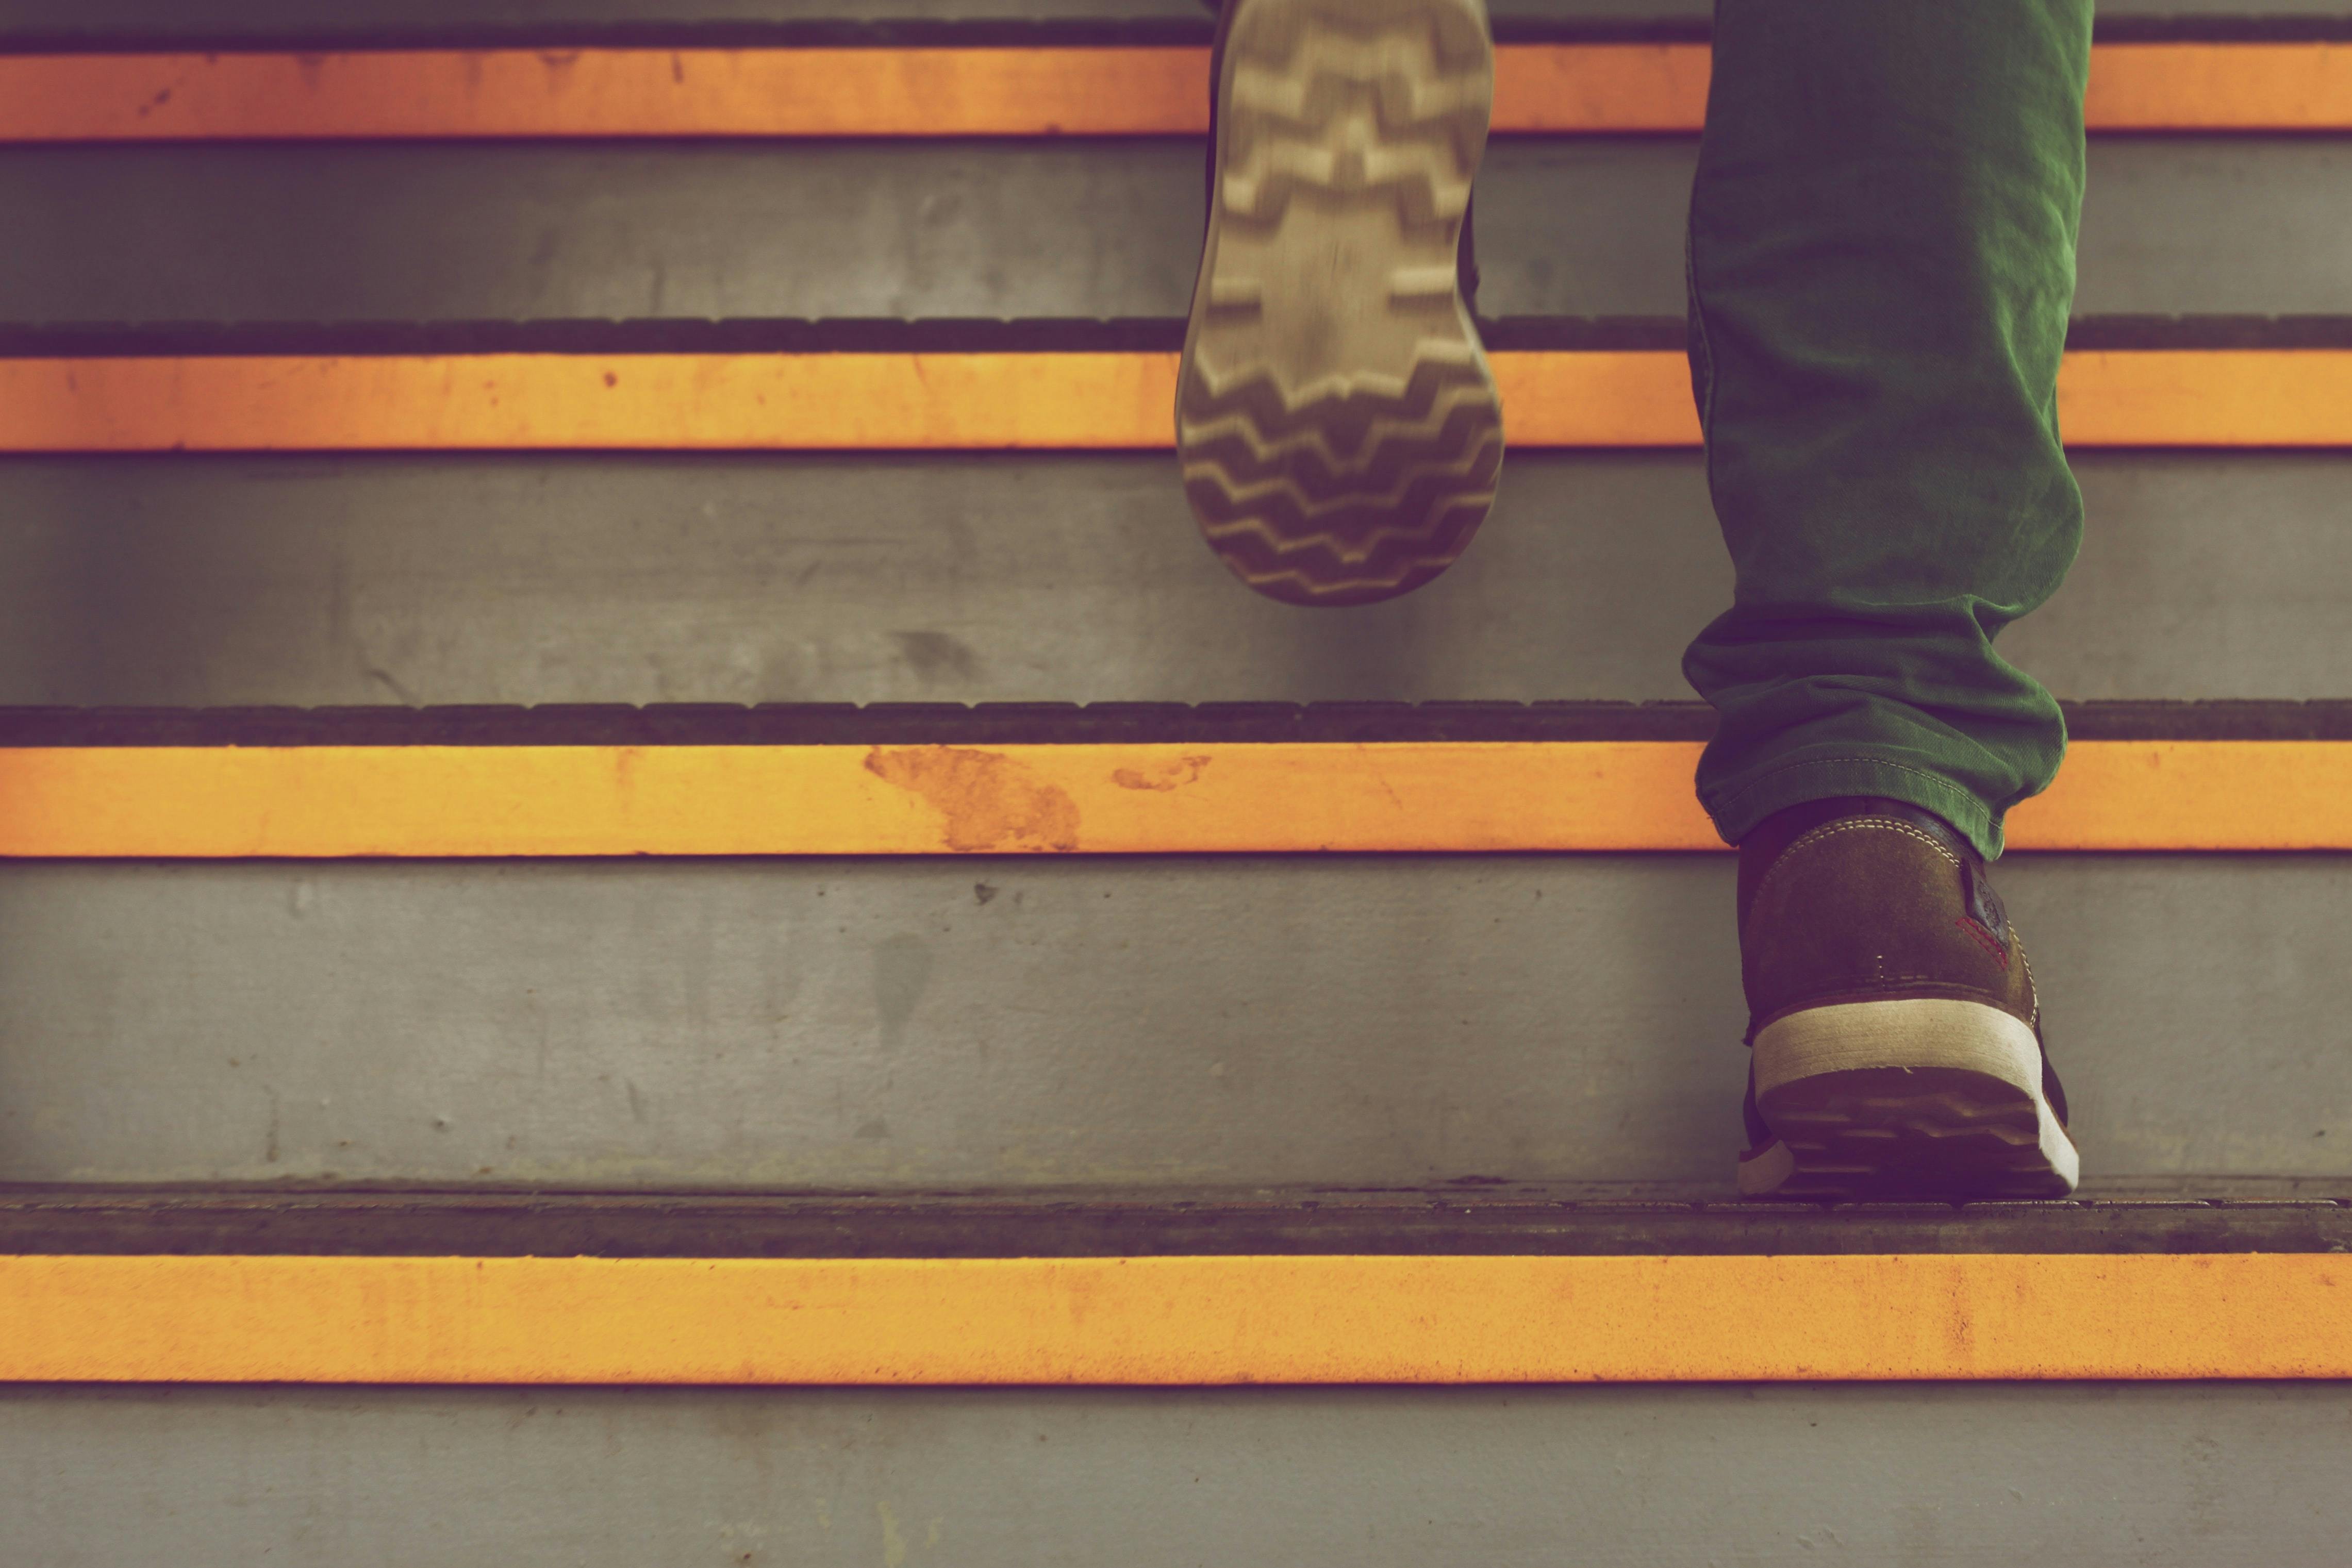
(1882, 262)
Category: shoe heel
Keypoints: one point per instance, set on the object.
(1926, 1096)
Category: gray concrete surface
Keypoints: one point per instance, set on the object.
(939, 1023)
(399, 232)
(320, 579)
(2181, 1476)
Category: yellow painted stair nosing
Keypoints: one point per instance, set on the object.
(1174, 1321)
(1438, 797)
(1555, 88)
(2220, 398)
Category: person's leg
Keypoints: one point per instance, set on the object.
(1882, 250)
(1882, 260)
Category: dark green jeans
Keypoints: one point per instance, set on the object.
(1882, 262)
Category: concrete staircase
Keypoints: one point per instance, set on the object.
(579, 990)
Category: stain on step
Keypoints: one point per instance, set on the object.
(986, 800)
(1162, 776)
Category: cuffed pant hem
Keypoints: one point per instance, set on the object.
(1738, 808)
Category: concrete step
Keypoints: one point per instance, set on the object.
(2103, 1475)
(919, 1022)
(1589, 227)
(1286, 1119)
(526, 578)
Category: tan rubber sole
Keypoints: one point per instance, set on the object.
(1922, 1098)
(1338, 427)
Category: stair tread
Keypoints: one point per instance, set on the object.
(2277, 396)
(1186, 1319)
(1008, 791)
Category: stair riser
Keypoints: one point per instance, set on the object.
(2230, 225)
(834, 1023)
(2090, 1474)
(523, 580)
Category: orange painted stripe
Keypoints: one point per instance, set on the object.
(646, 402)
(2220, 795)
(503, 93)
(1540, 88)
(1460, 797)
(2207, 397)
(2220, 87)
(2220, 398)
(1183, 1320)
(1571, 89)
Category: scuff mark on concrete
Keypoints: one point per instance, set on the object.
(936, 658)
(902, 972)
(986, 800)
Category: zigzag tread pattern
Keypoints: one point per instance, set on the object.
(1351, 426)
(1358, 471)
(1345, 498)
(1388, 98)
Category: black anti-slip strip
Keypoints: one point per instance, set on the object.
(955, 336)
(2209, 332)
(1501, 1217)
(2222, 30)
(913, 33)
(1046, 724)
(881, 723)
(939, 335)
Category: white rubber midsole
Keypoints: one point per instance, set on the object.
(1914, 1032)
(1911, 1034)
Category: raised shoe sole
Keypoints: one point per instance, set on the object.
(1337, 423)
(1924, 1097)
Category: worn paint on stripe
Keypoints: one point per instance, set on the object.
(721, 401)
(1154, 1321)
(1540, 88)
(1449, 796)
(506, 93)
(642, 401)
(991, 401)
(844, 799)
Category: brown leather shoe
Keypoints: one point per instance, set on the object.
(1896, 1033)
